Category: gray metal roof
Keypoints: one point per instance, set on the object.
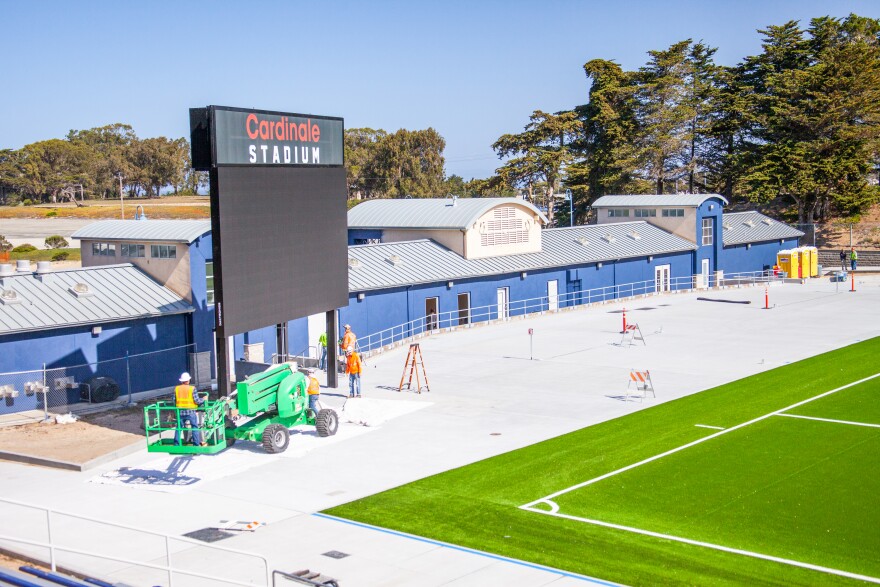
(175, 231)
(424, 261)
(115, 293)
(636, 200)
(428, 213)
(754, 227)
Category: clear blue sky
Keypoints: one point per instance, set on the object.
(472, 70)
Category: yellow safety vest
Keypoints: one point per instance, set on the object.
(314, 386)
(183, 397)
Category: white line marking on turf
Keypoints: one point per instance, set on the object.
(830, 420)
(547, 498)
(707, 426)
(749, 553)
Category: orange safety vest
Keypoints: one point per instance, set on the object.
(314, 386)
(183, 397)
(353, 363)
(348, 340)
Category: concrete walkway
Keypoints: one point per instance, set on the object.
(487, 397)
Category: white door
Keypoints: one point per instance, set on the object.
(317, 326)
(661, 278)
(553, 295)
(503, 310)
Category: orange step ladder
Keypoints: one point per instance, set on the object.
(415, 364)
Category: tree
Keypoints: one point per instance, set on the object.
(411, 163)
(111, 144)
(816, 133)
(47, 167)
(56, 242)
(361, 145)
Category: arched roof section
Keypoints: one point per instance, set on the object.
(430, 213)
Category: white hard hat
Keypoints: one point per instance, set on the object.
(350, 349)
(184, 377)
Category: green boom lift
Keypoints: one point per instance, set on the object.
(264, 406)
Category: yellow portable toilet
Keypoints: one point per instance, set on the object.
(788, 262)
(803, 254)
(814, 262)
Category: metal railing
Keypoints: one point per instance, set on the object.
(464, 318)
(169, 569)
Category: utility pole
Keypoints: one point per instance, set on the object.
(121, 202)
(570, 207)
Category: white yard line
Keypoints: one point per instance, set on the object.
(694, 443)
(830, 420)
(749, 553)
(707, 426)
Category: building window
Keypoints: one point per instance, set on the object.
(612, 213)
(163, 251)
(367, 241)
(209, 281)
(707, 231)
(646, 213)
(504, 228)
(136, 251)
(103, 249)
(673, 213)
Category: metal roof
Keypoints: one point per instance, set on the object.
(387, 265)
(427, 213)
(656, 200)
(175, 231)
(107, 294)
(753, 227)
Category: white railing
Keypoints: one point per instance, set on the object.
(53, 521)
(540, 305)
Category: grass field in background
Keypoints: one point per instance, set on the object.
(73, 254)
(795, 488)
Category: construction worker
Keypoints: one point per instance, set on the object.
(322, 344)
(353, 367)
(348, 338)
(187, 401)
(314, 391)
(853, 258)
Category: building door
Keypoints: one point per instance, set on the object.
(317, 325)
(431, 315)
(575, 293)
(464, 309)
(553, 295)
(503, 302)
(705, 272)
(661, 278)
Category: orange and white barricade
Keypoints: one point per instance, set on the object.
(632, 333)
(640, 382)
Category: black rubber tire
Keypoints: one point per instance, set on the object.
(327, 423)
(275, 438)
(104, 389)
(230, 441)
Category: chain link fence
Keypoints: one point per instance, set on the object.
(77, 387)
(837, 235)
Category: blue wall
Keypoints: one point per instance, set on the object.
(360, 233)
(711, 208)
(200, 252)
(74, 348)
(741, 259)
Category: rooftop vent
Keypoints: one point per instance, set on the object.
(750, 223)
(582, 241)
(395, 260)
(726, 226)
(6, 270)
(9, 296)
(609, 238)
(23, 266)
(635, 236)
(81, 290)
(767, 221)
(354, 263)
(44, 267)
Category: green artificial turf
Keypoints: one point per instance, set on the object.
(793, 488)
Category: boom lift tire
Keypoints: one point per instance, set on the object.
(327, 423)
(275, 438)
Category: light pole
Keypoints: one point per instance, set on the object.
(570, 208)
(121, 202)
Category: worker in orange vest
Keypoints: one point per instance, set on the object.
(353, 367)
(187, 401)
(349, 339)
(314, 391)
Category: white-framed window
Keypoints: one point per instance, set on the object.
(163, 251)
(209, 281)
(707, 231)
(134, 251)
(614, 213)
(673, 213)
(645, 213)
(103, 249)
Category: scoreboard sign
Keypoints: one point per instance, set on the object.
(278, 215)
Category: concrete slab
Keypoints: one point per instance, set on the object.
(487, 397)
